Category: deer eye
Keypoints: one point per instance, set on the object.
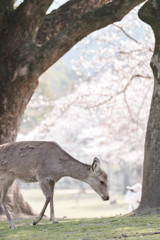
(102, 182)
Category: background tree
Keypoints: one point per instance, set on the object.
(32, 41)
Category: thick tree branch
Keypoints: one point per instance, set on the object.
(58, 19)
(23, 24)
(93, 20)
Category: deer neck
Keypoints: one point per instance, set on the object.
(77, 170)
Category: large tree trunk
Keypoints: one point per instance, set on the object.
(151, 168)
(31, 41)
(150, 13)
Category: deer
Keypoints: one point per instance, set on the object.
(46, 163)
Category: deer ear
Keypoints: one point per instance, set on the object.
(95, 165)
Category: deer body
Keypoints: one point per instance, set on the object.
(46, 163)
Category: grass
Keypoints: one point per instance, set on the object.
(128, 227)
(96, 224)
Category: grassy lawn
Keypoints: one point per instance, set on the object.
(86, 219)
(144, 227)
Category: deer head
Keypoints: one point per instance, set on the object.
(97, 179)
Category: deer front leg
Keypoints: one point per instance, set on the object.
(45, 187)
(52, 216)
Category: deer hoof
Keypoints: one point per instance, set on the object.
(13, 227)
(35, 222)
(55, 221)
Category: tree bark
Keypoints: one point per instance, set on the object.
(150, 13)
(31, 41)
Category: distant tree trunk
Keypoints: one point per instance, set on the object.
(150, 13)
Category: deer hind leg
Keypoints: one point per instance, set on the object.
(52, 216)
(6, 182)
(45, 187)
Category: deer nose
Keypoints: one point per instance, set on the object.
(106, 198)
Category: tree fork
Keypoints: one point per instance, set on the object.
(150, 14)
